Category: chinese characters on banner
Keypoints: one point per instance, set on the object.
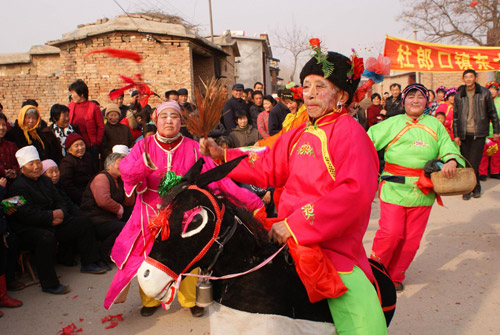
(407, 55)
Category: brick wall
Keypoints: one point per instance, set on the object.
(166, 65)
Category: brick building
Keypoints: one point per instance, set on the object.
(173, 57)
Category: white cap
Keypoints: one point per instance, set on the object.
(26, 155)
(121, 149)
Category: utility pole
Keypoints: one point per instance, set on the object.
(211, 22)
(418, 79)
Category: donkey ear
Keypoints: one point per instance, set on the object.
(217, 173)
(194, 172)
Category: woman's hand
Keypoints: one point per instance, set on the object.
(267, 197)
(208, 147)
(279, 232)
(449, 169)
(457, 141)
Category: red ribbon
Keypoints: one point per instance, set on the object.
(424, 183)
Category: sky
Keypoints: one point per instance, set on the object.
(341, 25)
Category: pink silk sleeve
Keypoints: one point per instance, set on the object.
(134, 170)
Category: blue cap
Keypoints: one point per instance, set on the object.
(238, 87)
(182, 91)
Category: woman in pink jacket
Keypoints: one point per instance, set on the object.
(142, 171)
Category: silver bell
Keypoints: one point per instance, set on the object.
(204, 293)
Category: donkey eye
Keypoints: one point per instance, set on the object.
(194, 221)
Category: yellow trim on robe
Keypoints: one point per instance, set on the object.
(320, 133)
(291, 232)
(408, 127)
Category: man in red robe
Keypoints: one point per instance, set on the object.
(328, 169)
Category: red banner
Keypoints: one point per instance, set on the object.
(406, 55)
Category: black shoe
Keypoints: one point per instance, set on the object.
(466, 196)
(60, 289)
(399, 286)
(197, 311)
(495, 176)
(15, 285)
(92, 268)
(148, 311)
(104, 265)
(476, 193)
(483, 177)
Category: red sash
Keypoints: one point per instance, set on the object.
(424, 183)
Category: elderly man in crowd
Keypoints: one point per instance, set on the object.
(105, 203)
(44, 220)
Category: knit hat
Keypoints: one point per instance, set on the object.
(72, 138)
(47, 164)
(166, 105)
(121, 149)
(414, 87)
(341, 75)
(112, 108)
(26, 154)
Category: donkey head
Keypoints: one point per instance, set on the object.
(186, 228)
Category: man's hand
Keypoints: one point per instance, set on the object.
(57, 217)
(457, 141)
(449, 169)
(10, 173)
(496, 137)
(208, 147)
(3, 182)
(279, 232)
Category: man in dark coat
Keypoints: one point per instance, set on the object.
(393, 103)
(256, 107)
(232, 105)
(473, 111)
(277, 115)
(44, 220)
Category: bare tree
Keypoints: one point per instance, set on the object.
(454, 21)
(294, 40)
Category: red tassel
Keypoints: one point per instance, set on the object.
(118, 53)
(361, 91)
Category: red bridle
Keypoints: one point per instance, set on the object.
(219, 212)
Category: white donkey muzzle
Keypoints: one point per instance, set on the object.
(155, 283)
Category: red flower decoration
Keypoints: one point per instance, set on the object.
(473, 3)
(357, 67)
(297, 92)
(315, 42)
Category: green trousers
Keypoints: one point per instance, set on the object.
(358, 311)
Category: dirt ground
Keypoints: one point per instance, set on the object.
(452, 287)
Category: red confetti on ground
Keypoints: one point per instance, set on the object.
(111, 325)
(117, 317)
(74, 297)
(81, 319)
(70, 330)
